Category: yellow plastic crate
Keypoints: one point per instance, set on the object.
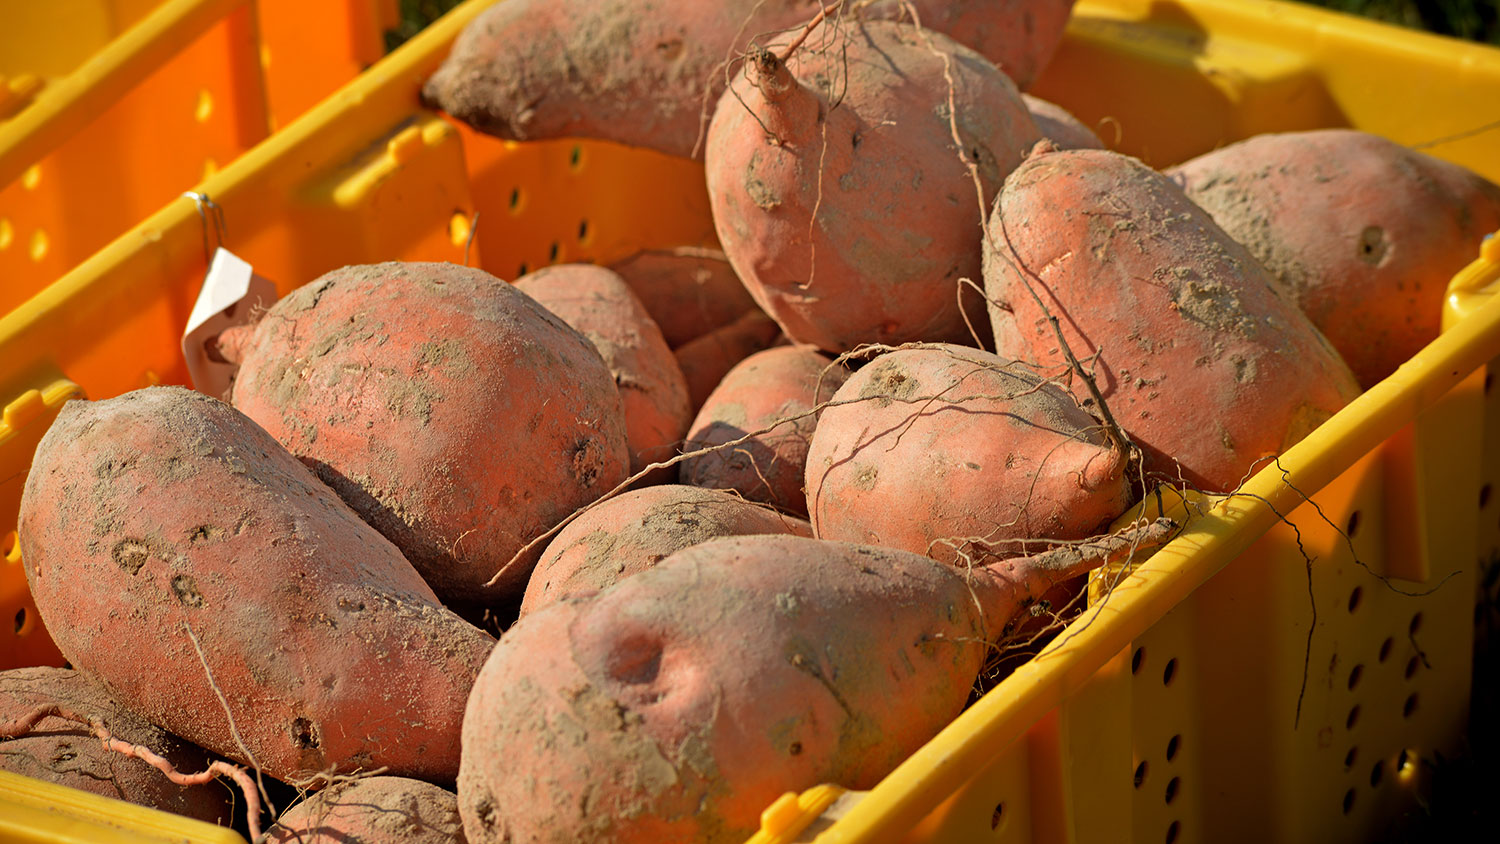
(110, 108)
(1226, 689)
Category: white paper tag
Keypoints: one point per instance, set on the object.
(232, 293)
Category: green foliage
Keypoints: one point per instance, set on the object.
(415, 16)
(1475, 20)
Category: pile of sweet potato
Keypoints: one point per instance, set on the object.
(625, 552)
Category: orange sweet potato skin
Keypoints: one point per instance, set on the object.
(632, 533)
(1060, 126)
(647, 74)
(622, 70)
(436, 399)
(67, 753)
(653, 391)
(163, 521)
(688, 292)
(1362, 232)
(1019, 36)
(1202, 363)
(680, 703)
(707, 359)
(775, 391)
(372, 810)
(846, 232)
(959, 454)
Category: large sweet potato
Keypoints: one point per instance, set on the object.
(67, 753)
(449, 409)
(634, 532)
(1201, 362)
(653, 391)
(1362, 232)
(775, 392)
(677, 705)
(688, 292)
(839, 192)
(373, 810)
(959, 454)
(648, 73)
(181, 556)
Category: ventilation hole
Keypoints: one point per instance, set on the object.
(1385, 648)
(1354, 598)
(1136, 659)
(1351, 757)
(575, 158)
(1353, 526)
(552, 252)
(1410, 706)
(1173, 744)
(997, 816)
(32, 177)
(7, 233)
(1489, 379)
(10, 546)
(795, 748)
(1348, 801)
(1353, 718)
(1484, 496)
(1172, 832)
(1411, 667)
(1354, 675)
(459, 228)
(205, 108)
(1405, 763)
(523, 269)
(39, 245)
(1416, 624)
(1169, 672)
(1377, 774)
(20, 620)
(515, 200)
(1140, 774)
(583, 230)
(1172, 786)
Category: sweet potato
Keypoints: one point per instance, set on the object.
(1200, 361)
(438, 401)
(181, 556)
(601, 306)
(68, 753)
(678, 704)
(629, 534)
(688, 292)
(844, 229)
(1019, 36)
(373, 810)
(646, 74)
(707, 359)
(958, 454)
(1361, 231)
(774, 391)
(1058, 125)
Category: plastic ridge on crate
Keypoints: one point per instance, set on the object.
(1285, 669)
(36, 812)
(109, 108)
